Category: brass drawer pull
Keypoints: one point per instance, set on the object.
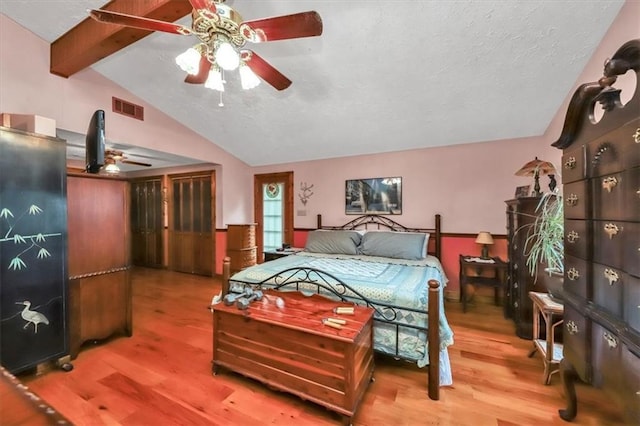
(570, 163)
(572, 328)
(609, 183)
(572, 200)
(573, 274)
(612, 341)
(572, 237)
(611, 229)
(611, 276)
(636, 135)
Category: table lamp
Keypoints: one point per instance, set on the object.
(537, 168)
(485, 239)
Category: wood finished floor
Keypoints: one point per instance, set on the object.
(162, 375)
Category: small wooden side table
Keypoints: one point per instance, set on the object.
(276, 254)
(477, 271)
(550, 311)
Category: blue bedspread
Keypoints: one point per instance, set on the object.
(381, 280)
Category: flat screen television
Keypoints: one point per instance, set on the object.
(94, 142)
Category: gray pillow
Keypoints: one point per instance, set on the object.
(397, 245)
(333, 242)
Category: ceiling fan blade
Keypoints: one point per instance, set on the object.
(136, 163)
(265, 71)
(139, 22)
(203, 72)
(305, 24)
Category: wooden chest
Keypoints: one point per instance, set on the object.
(292, 350)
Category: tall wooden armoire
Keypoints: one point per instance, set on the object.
(521, 213)
(33, 249)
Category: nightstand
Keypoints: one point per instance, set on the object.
(276, 254)
(478, 271)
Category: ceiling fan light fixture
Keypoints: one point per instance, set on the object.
(111, 167)
(248, 78)
(226, 56)
(214, 81)
(189, 61)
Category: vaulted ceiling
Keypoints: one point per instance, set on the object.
(384, 76)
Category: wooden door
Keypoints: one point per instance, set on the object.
(192, 223)
(262, 183)
(146, 222)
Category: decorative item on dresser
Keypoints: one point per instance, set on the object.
(241, 245)
(536, 168)
(601, 177)
(521, 212)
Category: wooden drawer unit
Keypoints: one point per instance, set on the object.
(606, 357)
(576, 275)
(614, 151)
(576, 337)
(576, 238)
(292, 350)
(632, 249)
(608, 239)
(573, 164)
(608, 283)
(608, 296)
(241, 246)
(630, 395)
(631, 302)
(576, 201)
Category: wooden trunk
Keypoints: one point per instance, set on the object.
(292, 350)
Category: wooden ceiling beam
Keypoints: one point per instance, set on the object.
(90, 40)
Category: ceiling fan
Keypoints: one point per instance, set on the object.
(222, 36)
(113, 156)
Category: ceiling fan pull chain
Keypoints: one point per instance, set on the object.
(221, 104)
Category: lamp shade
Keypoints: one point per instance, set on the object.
(484, 237)
(540, 166)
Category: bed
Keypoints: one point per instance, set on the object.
(372, 260)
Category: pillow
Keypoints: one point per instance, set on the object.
(397, 245)
(333, 242)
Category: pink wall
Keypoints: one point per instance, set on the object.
(27, 87)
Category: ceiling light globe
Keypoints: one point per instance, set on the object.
(189, 61)
(248, 78)
(214, 81)
(227, 57)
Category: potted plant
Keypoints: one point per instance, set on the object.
(544, 245)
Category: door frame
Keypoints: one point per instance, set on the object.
(258, 211)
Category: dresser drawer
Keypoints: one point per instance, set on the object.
(608, 196)
(576, 201)
(576, 277)
(577, 336)
(606, 347)
(576, 238)
(573, 165)
(631, 393)
(608, 283)
(632, 249)
(613, 152)
(608, 242)
(631, 302)
(631, 194)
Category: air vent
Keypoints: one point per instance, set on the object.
(127, 108)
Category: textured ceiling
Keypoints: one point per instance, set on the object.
(384, 76)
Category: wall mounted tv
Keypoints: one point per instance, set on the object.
(94, 143)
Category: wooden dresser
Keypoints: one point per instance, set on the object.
(520, 213)
(99, 259)
(601, 177)
(241, 245)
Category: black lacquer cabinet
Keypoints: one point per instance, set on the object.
(33, 249)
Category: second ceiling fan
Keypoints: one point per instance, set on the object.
(222, 36)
